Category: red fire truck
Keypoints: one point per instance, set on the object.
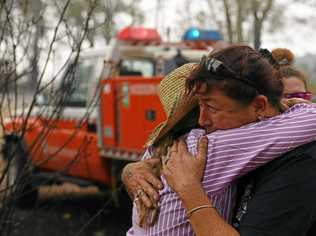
(105, 120)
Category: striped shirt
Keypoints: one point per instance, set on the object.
(231, 154)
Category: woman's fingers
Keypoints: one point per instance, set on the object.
(174, 147)
(201, 155)
(152, 162)
(182, 147)
(150, 191)
(289, 102)
(202, 149)
(142, 197)
(171, 151)
(153, 180)
(142, 183)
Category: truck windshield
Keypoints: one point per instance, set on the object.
(137, 67)
(79, 87)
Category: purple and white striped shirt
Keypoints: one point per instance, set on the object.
(231, 154)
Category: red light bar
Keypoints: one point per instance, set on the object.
(139, 34)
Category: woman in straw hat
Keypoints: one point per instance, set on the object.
(235, 87)
(182, 116)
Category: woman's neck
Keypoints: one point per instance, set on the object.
(271, 111)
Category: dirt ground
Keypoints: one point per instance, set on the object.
(84, 215)
(68, 210)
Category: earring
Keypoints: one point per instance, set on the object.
(260, 117)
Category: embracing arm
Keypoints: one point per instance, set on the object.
(140, 175)
(205, 221)
(235, 152)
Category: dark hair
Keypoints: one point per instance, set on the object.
(254, 75)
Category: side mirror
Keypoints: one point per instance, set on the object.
(41, 100)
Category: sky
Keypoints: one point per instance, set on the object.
(299, 38)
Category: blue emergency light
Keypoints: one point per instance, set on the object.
(196, 34)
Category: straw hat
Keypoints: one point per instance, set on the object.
(174, 100)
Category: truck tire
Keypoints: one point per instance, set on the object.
(19, 187)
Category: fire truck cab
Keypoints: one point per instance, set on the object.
(108, 109)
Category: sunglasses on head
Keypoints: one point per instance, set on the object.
(303, 95)
(216, 67)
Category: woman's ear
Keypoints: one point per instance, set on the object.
(260, 105)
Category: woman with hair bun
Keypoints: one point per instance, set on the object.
(294, 80)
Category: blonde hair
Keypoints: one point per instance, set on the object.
(147, 217)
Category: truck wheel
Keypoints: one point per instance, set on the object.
(19, 187)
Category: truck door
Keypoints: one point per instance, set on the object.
(139, 111)
(130, 107)
(71, 143)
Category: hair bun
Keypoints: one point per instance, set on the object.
(283, 56)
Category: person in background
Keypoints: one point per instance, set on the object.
(231, 117)
(294, 80)
(175, 62)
